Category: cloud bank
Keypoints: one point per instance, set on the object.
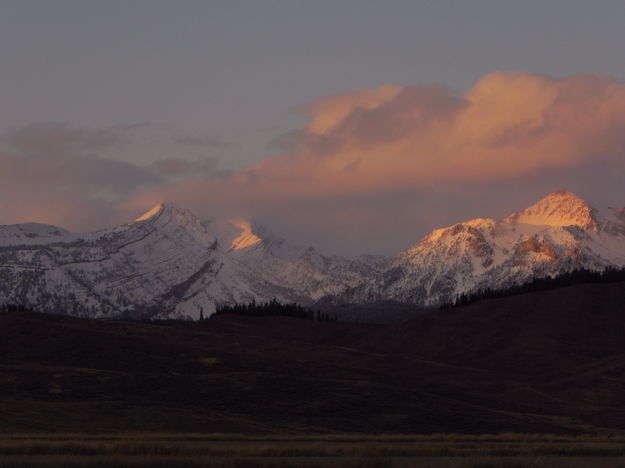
(378, 156)
(507, 125)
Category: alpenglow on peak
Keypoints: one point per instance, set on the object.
(560, 208)
(167, 209)
(246, 237)
(151, 213)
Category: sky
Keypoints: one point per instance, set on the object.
(354, 126)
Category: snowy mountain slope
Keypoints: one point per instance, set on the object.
(300, 268)
(32, 234)
(267, 266)
(168, 263)
(559, 233)
(165, 263)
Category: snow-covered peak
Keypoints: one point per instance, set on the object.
(561, 208)
(233, 234)
(151, 213)
(558, 234)
(171, 220)
(246, 236)
(163, 209)
(167, 213)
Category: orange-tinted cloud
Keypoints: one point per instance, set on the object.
(390, 138)
(408, 156)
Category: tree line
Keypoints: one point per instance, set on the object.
(272, 308)
(578, 276)
(15, 308)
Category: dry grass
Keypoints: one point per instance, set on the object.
(340, 451)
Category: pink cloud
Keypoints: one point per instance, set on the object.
(507, 125)
(391, 153)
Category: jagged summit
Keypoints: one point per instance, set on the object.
(161, 208)
(151, 213)
(560, 208)
(169, 212)
(246, 236)
(558, 234)
(170, 220)
(233, 234)
(167, 263)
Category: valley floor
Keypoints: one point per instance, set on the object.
(340, 451)
(548, 362)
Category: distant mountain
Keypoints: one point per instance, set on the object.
(558, 234)
(166, 263)
(299, 268)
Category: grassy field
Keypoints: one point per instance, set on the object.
(551, 362)
(238, 451)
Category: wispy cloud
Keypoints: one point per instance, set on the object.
(179, 168)
(213, 142)
(61, 137)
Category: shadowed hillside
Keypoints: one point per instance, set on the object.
(552, 361)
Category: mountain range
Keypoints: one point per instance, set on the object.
(560, 233)
(166, 263)
(169, 263)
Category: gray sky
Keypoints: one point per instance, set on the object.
(200, 88)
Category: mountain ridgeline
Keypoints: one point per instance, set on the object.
(559, 234)
(165, 264)
(170, 264)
